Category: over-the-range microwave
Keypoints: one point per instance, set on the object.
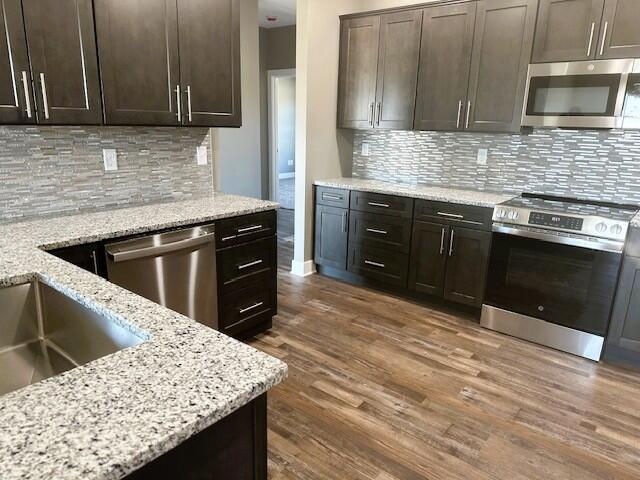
(592, 94)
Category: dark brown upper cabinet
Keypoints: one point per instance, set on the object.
(620, 37)
(379, 59)
(359, 40)
(139, 62)
(16, 95)
(209, 34)
(501, 51)
(445, 61)
(64, 63)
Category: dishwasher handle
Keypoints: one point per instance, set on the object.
(136, 253)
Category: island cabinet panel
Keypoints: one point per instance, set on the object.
(234, 448)
(620, 36)
(359, 42)
(16, 94)
(501, 52)
(64, 62)
(139, 61)
(398, 59)
(209, 37)
(445, 61)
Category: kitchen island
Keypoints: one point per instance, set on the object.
(108, 418)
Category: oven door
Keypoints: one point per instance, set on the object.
(577, 94)
(562, 284)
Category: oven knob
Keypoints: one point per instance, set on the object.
(501, 213)
(513, 215)
(616, 229)
(601, 227)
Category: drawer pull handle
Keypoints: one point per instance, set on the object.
(375, 264)
(252, 307)
(453, 234)
(374, 230)
(249, 229)
(382, 205)
(331, 197)
(250, 264)
(450, 215)
(226, 239)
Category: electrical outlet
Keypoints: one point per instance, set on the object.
(110, 157)
(201, 155)
(290, 163)
(365, 150)
(483, 153)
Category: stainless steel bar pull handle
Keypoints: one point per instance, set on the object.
(45, 98)
(370, 117)
(179, 103)
(331, 197)
(604, 37)
(375, 230)
(344, 223)
(249, 229)
(190, 112)
(381, 205)
(450, 215)
(379, 114)
(252, 307)
(466, 123)
(125, 255)
(459, 114)
(593, 28)
(27, 97)
(453, 233)
(375, 264)
(250, 264)
(442, 235)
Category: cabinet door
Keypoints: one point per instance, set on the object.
(331, 236)
(445, 59)
(567, 30)
(624, 331)
(499, 63)
(62, 46)
(428, 258)
(359, 42)
(398, 61)
(16, 104)
(468, 256)
(138, 49)
(209, 33)
(620, 33)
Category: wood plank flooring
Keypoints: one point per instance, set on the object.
(384, 389)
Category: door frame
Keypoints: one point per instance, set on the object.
(272, 76)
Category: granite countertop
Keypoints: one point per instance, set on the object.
(105, 419)
(442, 194)
(635, 221)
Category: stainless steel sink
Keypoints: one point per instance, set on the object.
(44, 333)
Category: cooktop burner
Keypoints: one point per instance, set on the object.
(571, 215)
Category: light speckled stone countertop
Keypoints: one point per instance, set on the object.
(635, 221)
(105, 419)
(442, 194)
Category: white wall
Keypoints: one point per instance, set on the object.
(238, 167)
(322, 151)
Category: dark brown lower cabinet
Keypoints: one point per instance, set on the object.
(428, 258)
(378, 264)
(331, 237)
(235, 448)
(89, 257)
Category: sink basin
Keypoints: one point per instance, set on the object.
(44, 333)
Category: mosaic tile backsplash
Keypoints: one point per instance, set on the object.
(582, 163)
(50, 170)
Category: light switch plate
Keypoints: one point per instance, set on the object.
(201, 155)
(365, 150)
(110, 157)
(483, 154)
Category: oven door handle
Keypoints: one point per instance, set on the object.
(591, 244)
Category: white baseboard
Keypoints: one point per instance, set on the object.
(284, 176)
(303, 269)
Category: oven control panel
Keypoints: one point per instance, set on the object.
(557, 221)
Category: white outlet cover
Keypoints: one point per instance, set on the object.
(483, 154)
(201, 155)
(110, 158)
(365, 149)
(290, 163)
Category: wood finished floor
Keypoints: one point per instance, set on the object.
(381, 388)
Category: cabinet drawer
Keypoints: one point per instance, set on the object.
(385, 204)
(247, 307)
(232, 231)
(378, 264)
(245, 264)
(332, 197)
(467, 216)
(381, 231)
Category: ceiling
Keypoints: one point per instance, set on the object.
(283, 10)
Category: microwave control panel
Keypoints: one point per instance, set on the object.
(557, 221)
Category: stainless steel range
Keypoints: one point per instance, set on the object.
(553, 270)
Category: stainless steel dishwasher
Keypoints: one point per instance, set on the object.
(175, 269)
